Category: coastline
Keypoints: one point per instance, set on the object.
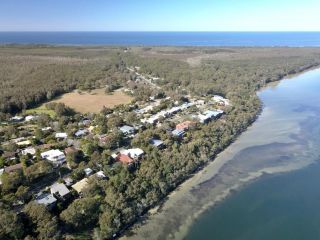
(206, 173)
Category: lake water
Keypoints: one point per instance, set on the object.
(292, 39)
(263, 186)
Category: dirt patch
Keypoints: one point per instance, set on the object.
(94, 101)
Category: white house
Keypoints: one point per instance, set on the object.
(61, 135)
(221, 100)
(133, 152)
(29, 118)
(55, 156)
(29, 150)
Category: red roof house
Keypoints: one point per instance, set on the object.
(124, 158)
(185, 125)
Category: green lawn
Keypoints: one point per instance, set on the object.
(41, 109)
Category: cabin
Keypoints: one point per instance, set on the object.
(125, 159)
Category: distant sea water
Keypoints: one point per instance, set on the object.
(246, 39)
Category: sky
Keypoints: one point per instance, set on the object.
(159, 15)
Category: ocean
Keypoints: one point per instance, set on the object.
(245, 39)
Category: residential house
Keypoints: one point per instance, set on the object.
(29, 118)
(79, 186)
(55, 156)
(88, 171)
(134, 153)
(24, 143)
(29, 150)
(46, 199)
(127, 130)
(9, 156)
(81, 132)
(46, 129)
(221, 100)
(60, 191)
(1, 172)
(157, 143)
(178, 133)
(185, 125)
(13, 168)
(100, 174)
(70, 150)
(209, 115)
(17, 119)
(61, 135)
(123, 158)
(68, 181)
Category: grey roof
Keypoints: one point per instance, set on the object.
(46, 199)
(156, 142)
(178, 132)
(81, 132)
(126, 129)
(59, 188)
(88, 171)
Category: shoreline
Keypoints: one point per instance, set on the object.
(197, 176)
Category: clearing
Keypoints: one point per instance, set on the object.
(85, 102)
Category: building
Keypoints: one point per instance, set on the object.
(79, 186)
(70, 150)
(134, 153)
(213, 114)
(60, 190)
(61, 135)
(29, 118)
(68, 181)
(46, 129)
(209, 115)
(55, 156)
(88, 171)
(81, 132)
(127, 130)
(185, 125)
(101, 174)
(125, 159)
(221, 100)
(1, 172)
(46, 199)
(157, 143)
(17, 119)
(29, 150)
(13, 168)
(24, 143)
(178, 133)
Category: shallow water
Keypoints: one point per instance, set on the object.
(286, 137)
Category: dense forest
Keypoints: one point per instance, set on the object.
(33, 75)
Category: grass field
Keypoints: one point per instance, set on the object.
(94, 101)
(39, 110)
